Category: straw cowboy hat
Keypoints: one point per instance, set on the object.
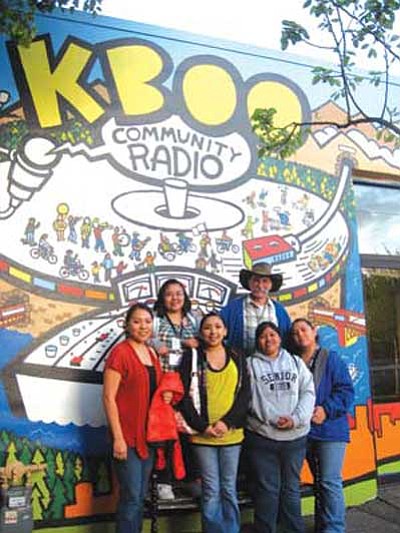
(262, 270)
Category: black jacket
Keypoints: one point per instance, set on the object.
(236, 416)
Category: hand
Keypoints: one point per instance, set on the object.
(163, 350)
(220, 428)
(190, 343)
(319, 415)
(167, 396)
(285, 422)
(210, 432)
(120, 450)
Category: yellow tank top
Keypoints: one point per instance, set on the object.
(221, 386)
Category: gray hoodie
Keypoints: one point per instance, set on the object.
(282, 386)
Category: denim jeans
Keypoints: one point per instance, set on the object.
(326, 460)
(276, 467)
(220, 508)
(133, 477)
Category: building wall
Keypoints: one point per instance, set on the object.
(130, 149)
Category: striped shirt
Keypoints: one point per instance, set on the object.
(253, 315)
(169, 334)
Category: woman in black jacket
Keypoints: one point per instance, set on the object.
(216, 410)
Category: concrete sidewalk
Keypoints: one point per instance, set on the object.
(381, 515)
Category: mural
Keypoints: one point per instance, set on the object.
(127, 157)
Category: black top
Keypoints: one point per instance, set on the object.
(236, 416)
(152, 380)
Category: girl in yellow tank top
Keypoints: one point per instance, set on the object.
(224, 396)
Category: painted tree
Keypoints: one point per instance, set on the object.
(17, 18)
(69, 477)
(51, 467)
(354, 32)
(58, 500)
(4, 438)
(4, 442)
(78, 468)
(11, 453)
(103, 482)
(39, 478)
(59, 464)
(26, 454)
(37, 504)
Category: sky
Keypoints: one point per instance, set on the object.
(259, 24)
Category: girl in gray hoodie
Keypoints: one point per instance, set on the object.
(281, 407)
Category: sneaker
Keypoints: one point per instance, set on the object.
(165, 492)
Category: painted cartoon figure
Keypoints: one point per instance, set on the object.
(284, 194)
(59, 226)
(137, 246)
(72, 234)
(308, 218)
(115, 237)
(201, 263)
(251, 200)
(225, 244)
(29, 233)
(86, 230)
(73, 267)
(167, 249)
(214, 262)
(149, 261)
(262, 197)
(95, 270)
(248, 230)
(108, 265)
(44, 250)
(119, 269)
(205, 241)
(185, 242)
(265, 221)
(98, 229)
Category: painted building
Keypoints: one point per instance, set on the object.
(127, 157)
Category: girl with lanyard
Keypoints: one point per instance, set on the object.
(175, 329)
(329, 434)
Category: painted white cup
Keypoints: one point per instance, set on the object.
(176, 194)
(64, 340)
(50, 350)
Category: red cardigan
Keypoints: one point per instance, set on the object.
(133, 394)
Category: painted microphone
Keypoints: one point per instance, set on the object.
(31, 165)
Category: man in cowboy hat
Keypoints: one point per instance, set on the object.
(243, 314)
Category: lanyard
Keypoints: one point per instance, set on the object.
(173, 326)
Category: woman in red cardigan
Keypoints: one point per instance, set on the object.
(132, 374)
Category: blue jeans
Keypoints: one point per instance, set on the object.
(276, 467)
(133, 477)
(326, 460)
(220, 508)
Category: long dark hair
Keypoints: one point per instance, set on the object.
(159, 306)
(134, 308)
(262, 327)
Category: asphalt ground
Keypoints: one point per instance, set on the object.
(381, 515)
